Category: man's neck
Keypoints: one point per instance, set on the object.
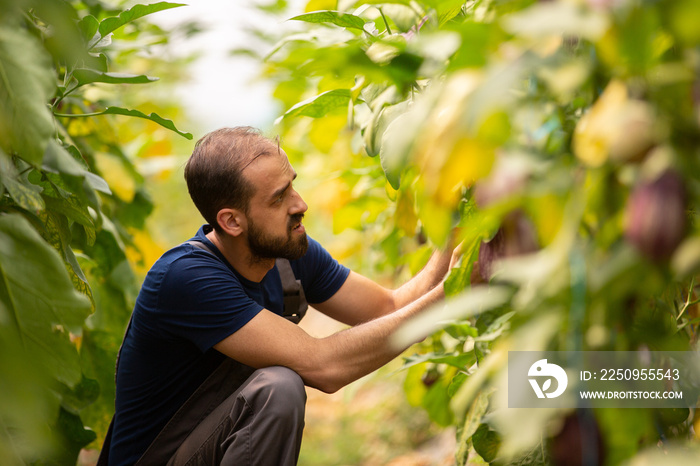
(238, 254)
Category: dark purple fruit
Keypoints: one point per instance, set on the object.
(656, 216)
(579, 443)
(515, 237)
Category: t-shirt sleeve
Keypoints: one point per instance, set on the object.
(321, 275)
(201, 300)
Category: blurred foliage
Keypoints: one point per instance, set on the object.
(72, 205)
(563, 138)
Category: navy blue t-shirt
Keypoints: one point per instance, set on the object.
(190, 301)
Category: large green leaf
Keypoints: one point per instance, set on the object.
(154, 117)
(27, 81)
(322, 104)
(89, 76)
(37, 293)
(338, 18)
(113, 23)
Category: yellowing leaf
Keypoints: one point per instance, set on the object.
(158, 148)
(616, 128)
(547, 214)
(469, 161)
(324, 131)
(593, 132)
(118, 178)
(146, 252)
(436, 220)
(405, 216)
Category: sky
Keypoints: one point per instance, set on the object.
(224, 90)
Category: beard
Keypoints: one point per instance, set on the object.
(264, 246)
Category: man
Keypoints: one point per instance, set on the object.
(220, 296)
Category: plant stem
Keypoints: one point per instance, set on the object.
(386, 23)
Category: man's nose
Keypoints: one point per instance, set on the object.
(299, 206)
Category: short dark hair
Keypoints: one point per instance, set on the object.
(214, 171)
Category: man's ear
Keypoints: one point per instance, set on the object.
(232, 221)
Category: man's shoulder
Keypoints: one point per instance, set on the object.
(184, 260)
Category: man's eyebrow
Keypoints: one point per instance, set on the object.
(279, 192)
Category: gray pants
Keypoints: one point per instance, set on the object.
(261, 423)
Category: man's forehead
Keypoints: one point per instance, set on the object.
(267, 164)
(273, 151)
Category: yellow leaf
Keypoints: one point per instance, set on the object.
(324, 131)
(547, 213)
(405, 216)
(120, 181)
(316, 5)
(594, 130)
(470, 160)
(158, 148)
(145, 252)
(436, 220)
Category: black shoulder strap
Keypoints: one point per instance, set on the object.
(295, 304)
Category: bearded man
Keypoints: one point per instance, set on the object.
(212, 368)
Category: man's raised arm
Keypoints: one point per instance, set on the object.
(360, 299)
(324, 363)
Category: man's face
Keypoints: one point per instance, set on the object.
(276, 210)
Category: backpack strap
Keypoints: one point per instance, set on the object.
(295, 304)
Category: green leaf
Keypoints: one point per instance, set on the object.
(473, 301)
(58, 160)
(320, 105)
(338, 18)
(381, 119)
(57, 233)
(456, 359)
(37, 294)
(154, 117)
(486, 442)
(73, 435)
(24, 193)
(88, 26)
(72, 208)
(113, 23)
(358, 213)
(26, 196)
(89, 76)
(97, 183)
(27, 82)
(437, 403)
(96, 61)
(396, 145)
(81, 395)
(461, 330)
(475, 414)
